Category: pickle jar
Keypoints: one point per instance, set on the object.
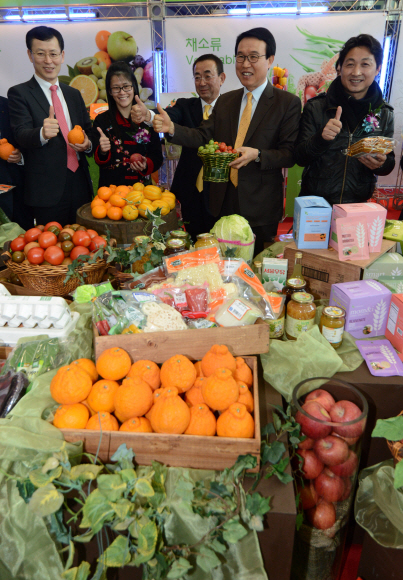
(301, 312)
(332, 324)
(174, 246)
(206, 241)
(180, 235)
(291, 286)
(277, 325)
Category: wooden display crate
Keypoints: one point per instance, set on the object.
(176, 450)
(322, 268)
(159, 346)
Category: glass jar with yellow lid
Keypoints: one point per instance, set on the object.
(301, 312)
(206, 241)
(332, 323)
(293, 285)
(180, 235)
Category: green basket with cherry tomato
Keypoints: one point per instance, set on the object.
(216, 158)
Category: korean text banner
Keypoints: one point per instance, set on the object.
(307, 46)
(89, 49)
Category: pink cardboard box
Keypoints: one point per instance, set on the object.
(366, 303)
(375, 215)
(394, 328)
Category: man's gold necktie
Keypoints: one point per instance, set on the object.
(199, 180)
(242, 130)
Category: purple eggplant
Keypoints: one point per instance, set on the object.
(19, 383)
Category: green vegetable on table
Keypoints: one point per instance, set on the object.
(234, 228)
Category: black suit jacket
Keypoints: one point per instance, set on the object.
(45, 165)
(10, 173)
(273, 130)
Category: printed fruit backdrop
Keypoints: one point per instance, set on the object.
(90, 48)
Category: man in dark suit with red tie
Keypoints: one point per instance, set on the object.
(263, 123)
(42, 112)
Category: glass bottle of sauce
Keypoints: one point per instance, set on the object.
(180, 235)
(291, 286)
(331, 324)
(174, 246)
(301, 312)
(257, 267)
(206, 241)
(277, 325)
(297, 272)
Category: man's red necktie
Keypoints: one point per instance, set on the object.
(72, 161)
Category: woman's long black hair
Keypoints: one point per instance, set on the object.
(119, 68)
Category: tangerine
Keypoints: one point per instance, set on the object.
(99, 211)
(147, 370)
(97, 202)
(102, 395)
(194, 395)
(236, 422)
(156, 395)
(202, 421)
(199, 372)
(116, 200)
(243, 372)
(104, 193)
(178, 371)
(217, 357)
(170, 413)
(245, 396)
(122, 190)
(220, 390)
(113, 364)
(103, 56)
(89, 366)
(133, 399)
(103, 421)
(71, 416)
(137, 425)
(114, 213)
(71, 384)
(101, 40)
(76, 135)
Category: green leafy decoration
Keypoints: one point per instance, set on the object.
(257, 504)
(398, 475)
(117, 554)
(111, 486)
(179, 568)
(80, 573)
(40, 479)
(234, 531)
(25, 488)
(243, 463)
(122, 508)
(128, 475)
(218, 546)
(97, 510)
(85, 472)
(268, 430)
(219, 489)
(273, 452)
(147, 540)
(207, 560)
(391, 429)
(46, 500)
(58, 528)
(123, 456)
(184, 489)
(144, 488)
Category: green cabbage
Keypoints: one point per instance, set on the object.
(235, 228)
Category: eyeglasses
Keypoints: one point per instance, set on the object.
(205, 78)
(125, 88)
(42, 55)
(251, 58)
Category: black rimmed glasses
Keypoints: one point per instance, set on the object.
(251, 57)
(125, 89)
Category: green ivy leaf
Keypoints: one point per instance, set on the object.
(46, 500)
(122, 508)
(268, 429)
(84, 538)
(244, 462)
(123, 456)
(218, 546)
(299, 520)
(58, 528)
(398, 475)
(117, 554)
(273, 452)
(97, 510)
(147, 540)
(111, 486)
(123, 525)
(233, 531)
(219, 489)
(184, 489)
(391, 429)
(206, 559)
(128, 475)
(79, 573)
(25, 489)
(179, 568)
(144, 487)
(256, 523)
(276, 422)
(85, 471)
(40, 479)
(257, 504)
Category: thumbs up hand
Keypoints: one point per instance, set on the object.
(162, 123)
(333, 127)
(139, 112)
(50, 125)
(104, 142)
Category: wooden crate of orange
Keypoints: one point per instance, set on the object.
(178, 450)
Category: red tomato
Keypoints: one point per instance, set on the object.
(310, 92)
(223, 146)
(92, 234)
(42, 228)
(32, 235)
(47, 239)
(79, 251)
(54, 255)
(97, 243)
(17, 245)
(36, 255)
(53, 224)
(81, 238)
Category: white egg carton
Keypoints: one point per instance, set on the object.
(9, 336)
(4, 291)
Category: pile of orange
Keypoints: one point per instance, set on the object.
(203, 398)
(129, 202)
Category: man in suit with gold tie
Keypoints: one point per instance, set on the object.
(262, 122)
(187, 185)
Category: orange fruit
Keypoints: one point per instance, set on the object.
(102, 395)
(170, 200)
(122, 190)
(104, 421)
(101, 40)
(97, 202)
(6, 149)
(117, 200)
(130, 213)
(85, 402)
(143, 207)
(89, 366)
(138, 187)
(236, 422)
(245, 396)
(156, 395)
(178, 371)
(202, 421)
(170, 413)
(134, 197)
(243, 372)
(113, 364)
(152, 192)
(148, 371)
(99, 211)
(194, 395)
(87, 87)
(71, 416)
(160, 203)
(137, 425)
(199, 372)
(113, 187)
(217, 357)
(104, 193)
(108, 205)
(133, 399)
(71, 384)
(76, 135)
(220, 390)
(114, 213)
(103, 56)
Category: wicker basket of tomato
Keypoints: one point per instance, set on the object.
(216, 158)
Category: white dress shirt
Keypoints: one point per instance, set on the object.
(45, 86)
(203, 103)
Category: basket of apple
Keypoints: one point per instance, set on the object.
(45, 255)
(216, 158)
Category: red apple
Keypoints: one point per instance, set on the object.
(136, 158)
(344, 411)
(322, 397)
(329, 486)
(323, 516)
(311, 466)
(347, 489)
(307, 443)
(331, 450)
(348, 467)
(349, 440)
(307, 495)
(148, 76)
(311, 427)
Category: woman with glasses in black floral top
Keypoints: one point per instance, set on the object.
(115, 137)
